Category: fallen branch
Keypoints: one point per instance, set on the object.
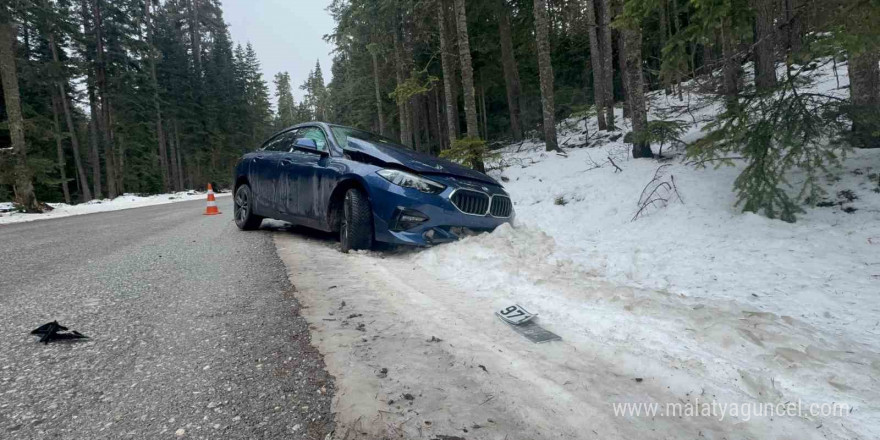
(618, 169)
(657, 193)
(657, 176)
(698, 163)
(675, 188)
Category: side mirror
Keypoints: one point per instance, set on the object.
(306, 143)
(309, 145)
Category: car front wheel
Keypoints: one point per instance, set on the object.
(356, 231)
(243, 206)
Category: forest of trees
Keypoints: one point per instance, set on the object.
(453, 77)
(144, 96)
(151, 95)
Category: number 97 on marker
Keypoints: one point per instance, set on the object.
(515, 315)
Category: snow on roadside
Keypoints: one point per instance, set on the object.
(745, 308)
(125, 201)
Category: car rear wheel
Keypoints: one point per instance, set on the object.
(243, 206)
(356, 231)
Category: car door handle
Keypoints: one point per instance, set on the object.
(286, 161)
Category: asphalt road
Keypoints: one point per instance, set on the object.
(194, 331)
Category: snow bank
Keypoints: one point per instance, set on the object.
(742, 307)
(125, 201)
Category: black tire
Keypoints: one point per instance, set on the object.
(356, 230)
(243, 210)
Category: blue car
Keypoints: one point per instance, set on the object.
(365, 187)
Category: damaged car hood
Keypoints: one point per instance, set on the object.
(387, 154)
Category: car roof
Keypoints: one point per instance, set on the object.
(309, 124)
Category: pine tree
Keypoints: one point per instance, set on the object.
(467, 70)
(598, 66)
(511, 71)
(286, 105)
(258, 107)
(446, 57)
(546, 69)
(631, 31)
(765, 43)
(315, 98)
(23, 180)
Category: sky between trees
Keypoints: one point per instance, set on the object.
(287, 35)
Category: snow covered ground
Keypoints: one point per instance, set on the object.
(732, 305)
(694, 302)
(723, 303)
(125, 201)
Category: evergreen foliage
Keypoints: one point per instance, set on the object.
(159, 98)
(471, 152)
(210, 110)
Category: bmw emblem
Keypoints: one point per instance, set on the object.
(484, 188)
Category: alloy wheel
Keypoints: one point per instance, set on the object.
(241, 206)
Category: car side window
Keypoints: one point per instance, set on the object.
(268, 145)
(281, 143)
(315, 134)
(274, 144)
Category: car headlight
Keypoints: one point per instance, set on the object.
(409, 180)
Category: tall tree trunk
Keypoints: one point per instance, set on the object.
(731, 66)
(632, 45)
(707, 59)
(621, 59)
(83, 184)
(674, 28)
(511, 72)
(104, 122)
(438, 125)
(596, 63)
(120, 164)
(664, 35)
(400, 73)
(23, 185)
(172, 161)
(794, 28)
(484, 116)
(95, 154)
(467, 70)
(607, 62)
(456, 92)
(545, 69)
(379, 112)
(765, 44)
(157, 105)
(195, 36)
(178, 153)
(59, 148)
(430, 124)
(864, 73)
(413, 104)
(93, 129)
(446, 57)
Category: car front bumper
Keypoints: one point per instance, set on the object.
(444, 222)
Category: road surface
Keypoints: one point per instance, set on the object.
(194, 329)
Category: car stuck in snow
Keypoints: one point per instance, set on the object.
(364, 186)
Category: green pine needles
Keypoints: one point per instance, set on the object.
(792, 130)
(470, 151)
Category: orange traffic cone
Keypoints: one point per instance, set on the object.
(212, 204)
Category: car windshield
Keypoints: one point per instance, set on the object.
(343, 133)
